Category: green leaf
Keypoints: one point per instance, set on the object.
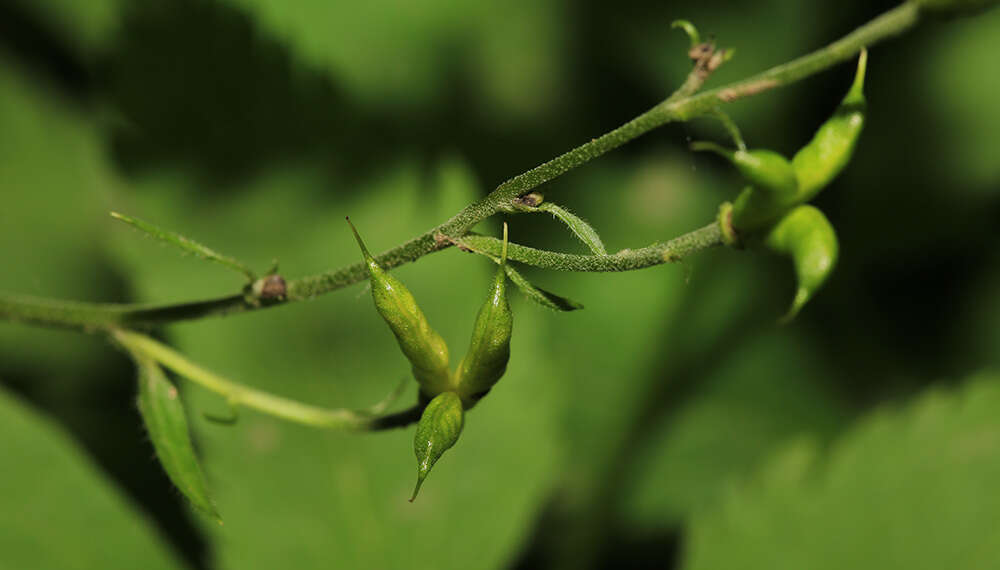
(59, 511)
(186, 244)
(539, 295)
(514, 61)
(908, 488)
(163, 414)
(438, 430)
(771, 384)
(580, 228)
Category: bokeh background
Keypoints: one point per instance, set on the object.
(669, 424)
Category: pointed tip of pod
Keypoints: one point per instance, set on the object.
(802, 296)
(855, 95)
(438, 430)
(806, 236)
(421, 475)
(364, 249)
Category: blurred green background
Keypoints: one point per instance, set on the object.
(669, 424)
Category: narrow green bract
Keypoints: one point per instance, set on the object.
(163, 414)
(438, 430)
(806, 236)
(580, 228)
(544, 298)
(423, 347)
(186, 244)
(820, 161)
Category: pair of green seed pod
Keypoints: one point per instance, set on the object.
(448, 394)
(772, 212)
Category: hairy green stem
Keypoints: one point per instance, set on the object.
(625, 260)
(239, 395)
(681, 106)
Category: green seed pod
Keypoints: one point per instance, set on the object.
(774, 182)
(438, 430)
(424, 347)
(486, 360)
(764, 168)
(805, 235)
(820, 161)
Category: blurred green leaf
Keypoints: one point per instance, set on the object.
(406, 53)
(905, 488)
(764, 390)
(87, 26)
(58, 510)
(56, 184)
(958, 70)
(163, 413)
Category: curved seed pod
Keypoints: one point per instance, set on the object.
(424, 347)
(805, 235)
(830, 149)
(774, 189)
(438, 430)
(486, 360)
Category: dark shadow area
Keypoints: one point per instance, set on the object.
(676, 380)
(32, 41)
(230, 102)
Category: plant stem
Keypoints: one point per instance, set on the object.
(681, 106)
(625, 260)
(239, 395)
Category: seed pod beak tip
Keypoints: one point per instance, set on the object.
(421, 475)
(802, 296)
(357, 237)
(856, 93)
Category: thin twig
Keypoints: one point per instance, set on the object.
(625, 260)
(240, 395)
(90, 316)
